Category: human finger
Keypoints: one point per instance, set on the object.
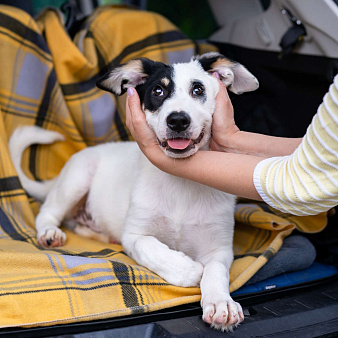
(134, 111)
(223, 122)
(223, 106)
(136, 121)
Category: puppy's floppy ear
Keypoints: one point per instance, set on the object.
(235, 76)
(129, 74)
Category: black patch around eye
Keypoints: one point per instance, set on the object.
(146, 91)
(198, 91)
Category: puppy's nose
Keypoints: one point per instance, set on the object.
(178, 121)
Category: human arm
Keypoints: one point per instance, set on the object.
(228, 172)
(303, 183)
(231, 172)
(227, 137)
(306, 182)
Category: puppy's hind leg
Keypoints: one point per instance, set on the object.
(71, 185)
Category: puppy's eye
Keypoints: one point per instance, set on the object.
(158, 91)
(197, 89)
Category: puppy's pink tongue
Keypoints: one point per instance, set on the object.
(178, 143)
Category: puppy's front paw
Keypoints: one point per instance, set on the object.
(51, 237)
(192, 275)
(185, 273)
(224, 315)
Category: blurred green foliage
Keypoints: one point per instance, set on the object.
(109, 2)
(39, 5)
(193, 17)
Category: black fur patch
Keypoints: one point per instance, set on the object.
(157, 71)
(99, 82)
(145, 75)
(208, 60)
(124, 82)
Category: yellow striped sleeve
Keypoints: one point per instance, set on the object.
(306, 182)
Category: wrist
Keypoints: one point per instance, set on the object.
(248, 143)
(154, 154)
(236, 142)
(226, 141)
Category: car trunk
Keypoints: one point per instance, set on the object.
(292, 85)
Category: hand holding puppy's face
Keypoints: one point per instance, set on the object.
(179, 100)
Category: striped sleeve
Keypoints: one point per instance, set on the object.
(306, 182)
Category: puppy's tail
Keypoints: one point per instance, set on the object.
(22, 138)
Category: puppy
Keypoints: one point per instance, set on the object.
(181, 230)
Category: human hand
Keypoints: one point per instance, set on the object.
(223, 126)
(139, 128)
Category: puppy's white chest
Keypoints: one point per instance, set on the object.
(174, 232)
(165, 230)
(177, 210)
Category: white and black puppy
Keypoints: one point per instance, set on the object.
(181, 230)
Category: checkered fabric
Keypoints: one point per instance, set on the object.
(48, 80)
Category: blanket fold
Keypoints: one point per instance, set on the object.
(48, 80)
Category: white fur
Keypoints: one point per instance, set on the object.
(181, 100)
(20, 140)
(181, 230)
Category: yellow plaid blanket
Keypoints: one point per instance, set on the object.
(48, 79)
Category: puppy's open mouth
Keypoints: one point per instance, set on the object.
(180, 145)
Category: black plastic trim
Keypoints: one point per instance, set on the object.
(188, 310)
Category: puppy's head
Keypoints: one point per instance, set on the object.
(179, 100)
